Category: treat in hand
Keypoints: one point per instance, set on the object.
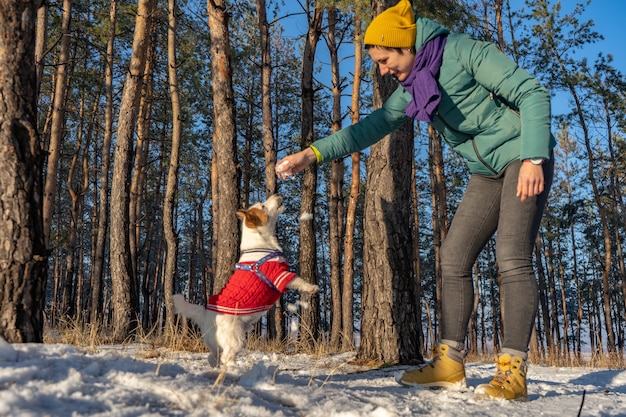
(284, 169)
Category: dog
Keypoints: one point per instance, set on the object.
(261, 276)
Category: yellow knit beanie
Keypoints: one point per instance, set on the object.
(393, 28)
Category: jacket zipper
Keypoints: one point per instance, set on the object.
(480, 158)
(501, 100)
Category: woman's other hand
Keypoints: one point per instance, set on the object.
(530, 181)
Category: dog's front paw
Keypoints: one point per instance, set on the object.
(311, 289)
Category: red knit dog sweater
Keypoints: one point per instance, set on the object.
(254, 287)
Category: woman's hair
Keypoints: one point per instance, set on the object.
(398, 50)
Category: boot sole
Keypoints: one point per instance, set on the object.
(459, 385)
(480, 394)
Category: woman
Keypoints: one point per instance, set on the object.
(497, 117)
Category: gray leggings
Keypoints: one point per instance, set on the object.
(490, 204)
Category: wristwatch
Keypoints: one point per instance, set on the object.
(536, 161)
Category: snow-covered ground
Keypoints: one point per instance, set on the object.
(137, 380)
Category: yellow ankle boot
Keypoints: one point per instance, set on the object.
(509, 382)
(442, 371)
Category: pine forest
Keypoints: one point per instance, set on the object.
(151, 122)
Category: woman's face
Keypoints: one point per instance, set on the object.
(392, 61)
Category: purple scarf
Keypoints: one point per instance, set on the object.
(421, 82)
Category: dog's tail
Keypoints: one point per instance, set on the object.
(190, 311)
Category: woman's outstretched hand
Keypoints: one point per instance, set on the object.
(294, 163)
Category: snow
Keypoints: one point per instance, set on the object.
(140, 380)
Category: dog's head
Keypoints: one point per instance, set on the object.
(259, 223)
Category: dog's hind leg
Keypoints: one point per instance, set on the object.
(214, 352)
(231, 338)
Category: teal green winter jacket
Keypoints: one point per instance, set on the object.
(491, 111)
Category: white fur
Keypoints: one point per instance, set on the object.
(225, 335)
(306, 217)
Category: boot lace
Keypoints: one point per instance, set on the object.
(505, 369)
(436, 356)
(502, 374)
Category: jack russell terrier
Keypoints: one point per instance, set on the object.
(261, 276)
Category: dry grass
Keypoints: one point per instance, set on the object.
(264, 344)
(187, 338)
(90, 338)
(597, 360)
(368, 363)
(76, 333)
(603, 360)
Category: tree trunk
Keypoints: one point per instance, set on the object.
(309, 322)
(72, 299)
(617, 202)
(124, 297)
(83, 284)
(347, 292)
(554, 311)
(97, 271)
(499, 26)
(269, 147)
(417, 267)
(496, 312)
(226, 190)
(389, 328)
(567, 146)
(58, 122)
(23, 253)
(275, 318)
(602, 212)
(169, 205)
(473, 322)
(543, 297)
(562, 283)
(151, 252)
(336, 193)
(41, 41)
(137, 210)
(205, 264)
(440, 223)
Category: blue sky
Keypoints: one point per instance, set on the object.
(609, 17)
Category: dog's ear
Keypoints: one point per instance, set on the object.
(253, 217)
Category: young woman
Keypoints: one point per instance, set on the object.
(497, 117)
